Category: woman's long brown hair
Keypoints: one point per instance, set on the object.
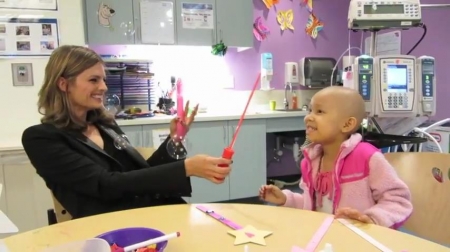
(67, 62)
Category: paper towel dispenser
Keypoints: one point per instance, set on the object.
(315, 72)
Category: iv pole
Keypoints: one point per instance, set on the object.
(434, 5)
(373, 49)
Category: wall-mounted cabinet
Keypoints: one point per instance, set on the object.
(191, 22)
(107, 22)
(235, 22)
(206, 32)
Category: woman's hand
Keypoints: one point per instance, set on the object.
(207, 167)
(186, 122)
(353, 214)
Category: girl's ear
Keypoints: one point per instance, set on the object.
(350, 125)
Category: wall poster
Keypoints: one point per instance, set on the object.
(28, 37)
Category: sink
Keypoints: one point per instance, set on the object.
(290, 110)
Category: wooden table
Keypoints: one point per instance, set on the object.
(200, 232)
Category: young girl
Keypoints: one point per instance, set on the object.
(340, 174)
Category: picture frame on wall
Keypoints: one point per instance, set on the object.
(28, 37)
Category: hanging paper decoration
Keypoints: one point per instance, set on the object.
(270, 3)
(105, 14)
(314, 26)
(285, 19)
(308, 4)
(219, 49)
(260, 30)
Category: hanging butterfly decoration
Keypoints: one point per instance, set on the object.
(285, 19)
(260, 30)
(314, 26)
(270, 3)
(308, 4)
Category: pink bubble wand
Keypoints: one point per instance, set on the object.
(175, 146)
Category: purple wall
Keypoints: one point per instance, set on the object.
(291, 45)
(331, 42)
(435, 44)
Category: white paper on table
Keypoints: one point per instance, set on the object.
(6, 225)
(3, 247)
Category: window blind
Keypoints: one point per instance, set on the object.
(132, 82)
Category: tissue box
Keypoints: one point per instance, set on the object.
(442, 136)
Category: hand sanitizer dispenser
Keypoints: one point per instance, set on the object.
(266, 70)
(291, 72)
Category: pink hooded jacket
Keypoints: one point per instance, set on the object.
(363, 179)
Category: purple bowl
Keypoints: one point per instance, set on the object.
(129, 236)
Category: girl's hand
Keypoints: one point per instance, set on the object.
(353, 214)
(272, 194)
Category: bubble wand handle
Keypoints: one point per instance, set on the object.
(228, 152)
(181, 129)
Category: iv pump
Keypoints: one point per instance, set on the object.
(266, 70)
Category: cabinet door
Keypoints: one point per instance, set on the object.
(134, 134)
(148, 139)
(109, 22)
(235, 22)
(2, 194)
(148, 133)
(249, 161)
(208, 138)
(192, 29)
(3, 207)
(161, 30)
(28, 198)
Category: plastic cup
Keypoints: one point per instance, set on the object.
(129, 236)
(272, 104)
(89, 245)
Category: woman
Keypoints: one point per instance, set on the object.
(76, 149)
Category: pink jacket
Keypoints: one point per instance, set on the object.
(363, 179)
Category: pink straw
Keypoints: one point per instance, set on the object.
(181, 129)
(236, 132)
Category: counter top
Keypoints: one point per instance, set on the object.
(214, 116)
(201, 117)
(13, 150)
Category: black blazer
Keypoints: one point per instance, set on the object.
(88, 181)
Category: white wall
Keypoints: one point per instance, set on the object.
(204, 79)
(18, 104)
